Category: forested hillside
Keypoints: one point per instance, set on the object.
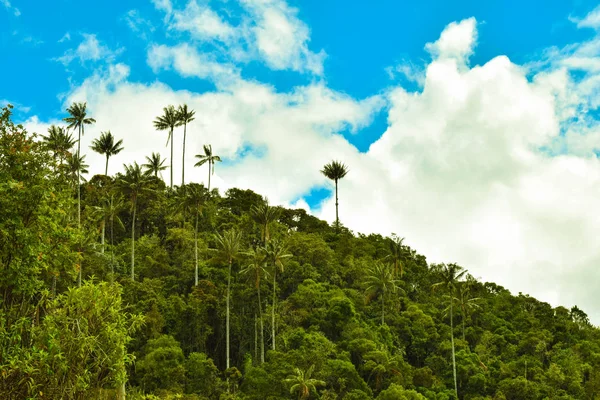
(127, 286)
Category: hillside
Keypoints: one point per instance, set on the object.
(192, 294)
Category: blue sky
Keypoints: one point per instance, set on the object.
(469, 127)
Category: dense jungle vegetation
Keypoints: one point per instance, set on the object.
(124, 286)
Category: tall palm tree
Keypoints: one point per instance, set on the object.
(168, 121)
(228, 247)
(78, 119)
(395, 252)
(154, 164)
(302, 383)
(114, 204)
(59, 142)
(106, 145)
(133, 182)
(451, 275)
(256, 269)
(381, 281)
(466, 302)
(193, 200)
(335, 171)
(75, 167)
(276, 256)
(185, 117)
(209, 158)
(264, 215)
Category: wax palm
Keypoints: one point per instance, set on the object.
(381, 281)
(106, 145)
(255, 270)
(133, 183)
(168, 121)
(335, 171)
(154, 164)
(228, 247)
(207, 157)
(466, 302)
(451, 274)
(302, 382)
(112, 207)
(264, 215)
(193, 200)
(75, 167)
(59, 142)
(78, 119)
(185, 117)
(277, 254)
(395, 252)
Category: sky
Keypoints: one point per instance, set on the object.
(470, 129)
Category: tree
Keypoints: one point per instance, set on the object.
(264, 215)
(113, 205)
(106, 145)
(193, 200)
(168, 121)
(133, 182)
(276, 255)
(209, 158)
(185, 117)
(228, 247)
(256, 269)
(75, 167)
(303, 383)
(465, 302)
(59, 142)
(451, 274)
(154, 164)
(335, 171)
(395, 252)
(78, 119)
(380, 281)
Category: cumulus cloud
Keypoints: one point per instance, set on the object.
(202, 22)
(591, 20)
(90, 49)
(456, 41)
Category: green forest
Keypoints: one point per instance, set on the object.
(131, 286)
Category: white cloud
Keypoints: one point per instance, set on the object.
(138, 24)
(9, 7)
(90, 49)
(203, 23)
(591, 20)
(163, 5)
(66, 37)
(456, 41)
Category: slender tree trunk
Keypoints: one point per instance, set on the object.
(453, 355)
(227, 317)
(255, 338)
(337, 219)
(79, 203)
(121, 392)
(183, 159)
(273, 308)
(262, 328)
(103, 233)
(133, 239)
(171, 158)
(382, 308)
(463, 325)
(112, 246)
(209, 168)
(196, 248)
(106, 167)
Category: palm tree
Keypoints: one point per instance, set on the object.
(451, 274)
(77, 120)
(75, 167)
(154, 164)
(114, 204)
(133, 182)
(276, 255)
(335, 171)
(209, 158)
(193, 199)
(465, 302)
(395, 252)
(302, 383)
(228, 246)
(169, 120)
(106, 145)
(264, 215)
(380, 281)
(255, 270)
(185, 117)
(59, 142)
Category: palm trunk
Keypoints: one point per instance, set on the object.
(463, 324)
(262, 329)
(255, 338)
(183, 158)
(121, 392)
(79, 202)
(103, 232)
(112, 248)
(171, 158)
(337, 219)
(209, 168)
(196, 248)
(453, 355)
(273, 308)
(227, 317)
(106, 167)
(382, 308)
(133, 240)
